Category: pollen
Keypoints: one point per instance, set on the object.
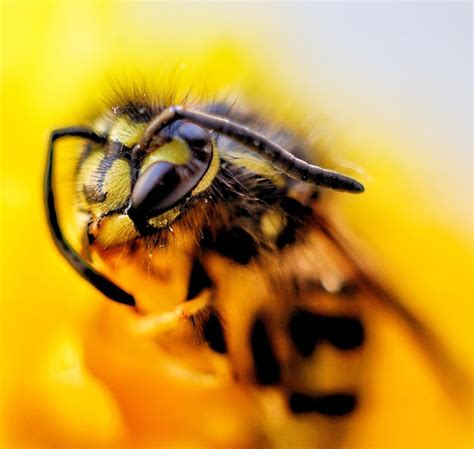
(117, 185)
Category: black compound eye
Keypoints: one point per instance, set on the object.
(194, 135)
(163, 184)
(156, 190)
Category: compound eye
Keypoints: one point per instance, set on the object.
(194, 135)
(164, 183)
(156, 190)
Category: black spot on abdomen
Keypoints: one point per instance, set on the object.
(198, 280)
(307, 328)
(214, 333)
(236, 244)
(335, 404)
(267, 368)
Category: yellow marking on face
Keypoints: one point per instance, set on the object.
(211, 173)
(177, 152)
(116, 186)
(258, 166)
(116, 230)
(126, 132)
(272, 223)
(164, 219)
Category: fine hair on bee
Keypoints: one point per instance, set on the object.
(234, 199)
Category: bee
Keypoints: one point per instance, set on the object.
(245, 254)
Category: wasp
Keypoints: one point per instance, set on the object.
(230, 205)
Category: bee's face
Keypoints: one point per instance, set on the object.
(130, 189)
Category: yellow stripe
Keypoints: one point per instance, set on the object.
(116, 230)
(117, 185)
(211, 173)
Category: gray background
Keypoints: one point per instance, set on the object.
(405, 68)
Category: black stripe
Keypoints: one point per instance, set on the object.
(120, 150)
(336, 404)
(236, 244)
(95, 194)
(267, 368)
(307, 328)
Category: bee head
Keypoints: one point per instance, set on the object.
(132, 187)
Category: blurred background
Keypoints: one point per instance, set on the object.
(389, 85)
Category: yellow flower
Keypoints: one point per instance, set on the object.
(72, 373)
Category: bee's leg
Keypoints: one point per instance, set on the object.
(154, 325)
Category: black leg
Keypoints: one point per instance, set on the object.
(269, 150)
(104, 285)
